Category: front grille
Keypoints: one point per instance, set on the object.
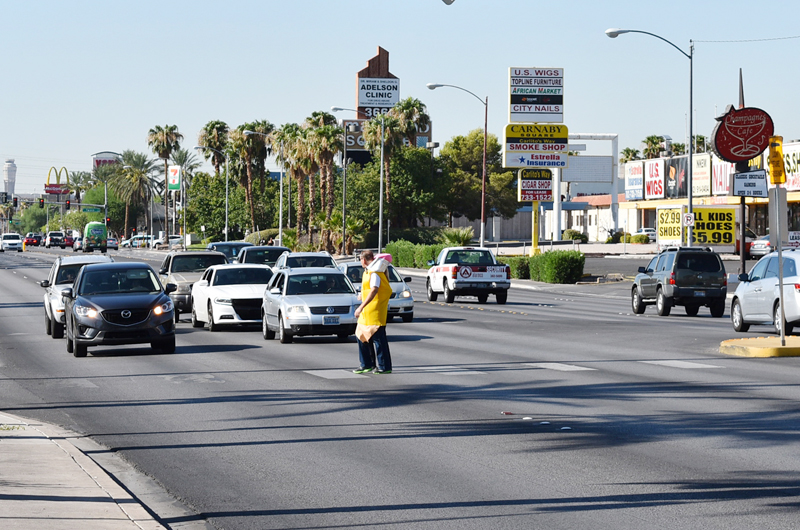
(337, 310)
(115, 316)
(127, 335)
(247, 308)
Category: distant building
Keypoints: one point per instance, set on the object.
(9, 176)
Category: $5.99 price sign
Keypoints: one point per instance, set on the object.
(712, 226)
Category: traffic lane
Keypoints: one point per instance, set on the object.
(629, 266)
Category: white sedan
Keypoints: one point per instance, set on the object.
(229, 295)
(756, 299)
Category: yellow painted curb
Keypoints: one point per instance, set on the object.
(761, 347)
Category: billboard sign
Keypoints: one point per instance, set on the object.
(105, 157)
(377, 95)
(750, 184)
(535, 145)
(654, 179)
(536, 95)
(701, 175)
(634, 181)
(174, 182)
(741, 134)
(535, 185)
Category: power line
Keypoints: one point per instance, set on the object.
(752, 40)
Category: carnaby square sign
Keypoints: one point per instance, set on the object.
(535, 145)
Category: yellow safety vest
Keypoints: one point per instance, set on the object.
(374, 314)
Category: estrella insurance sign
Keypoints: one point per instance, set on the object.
(532, 145)
(174, 183)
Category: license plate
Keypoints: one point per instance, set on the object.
(699, 293)
(330, 321)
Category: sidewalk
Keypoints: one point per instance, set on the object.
(47, 482)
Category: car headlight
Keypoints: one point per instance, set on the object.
(86, 311)
(405, 294)
(166, 307)
(223, 301)
(296, 309)
(184, 288)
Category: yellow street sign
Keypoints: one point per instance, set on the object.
(776, 173)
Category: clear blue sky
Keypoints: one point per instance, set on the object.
(80, 77)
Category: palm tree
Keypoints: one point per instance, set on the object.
(163, 141)
(652, 146)
(412, 115)
(679, 149)
(324, 141)
(393, 140)
(252, 150)
(283, 137)
(133, 183)
(214, 135)
(629, 154)
(295, 153)
(700, 143)
(79, 182)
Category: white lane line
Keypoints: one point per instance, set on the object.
(446, 370)
(681, 364)
(561, 367)
(334, 374)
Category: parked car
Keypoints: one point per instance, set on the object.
(308, 301)
(118, 303)
(761, 247)
(229, 248)
(168, 242)
(11, 241)
(183, 269)
(649, 232)
(401, 304)
(467, 271)
(112, 243)
(77, 244)
(62, 273)
(55, 238)
(293, 260)
(756, 299)
(137, 241)
(229, 295)
(265, 255)
(30, 240)
(681, 276)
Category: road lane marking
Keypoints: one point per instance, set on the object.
(334, 374)
(681, 364)
(446, 370)
(561, 367)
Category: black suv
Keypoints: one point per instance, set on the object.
(687, 276)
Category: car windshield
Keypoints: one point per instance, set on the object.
(266, 256)
(469, 257)
(309, 261)
(118, 281)
(10, 237)
(699, 262)
(195, 263)
(230, 251)
(243, 275)
(318, 284)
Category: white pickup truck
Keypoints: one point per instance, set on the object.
(468, 271)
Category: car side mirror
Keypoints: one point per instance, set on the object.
(170, 288)
(407, 279)
(67, 292)
(45, 283)
(275, 290)
(431, 263)
(642, 269)
(201, 283)
(744, 277)
(162, 271)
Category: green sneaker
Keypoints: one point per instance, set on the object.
(376, 371)
(362, 370)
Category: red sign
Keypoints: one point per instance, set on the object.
(56, 189)
(741, 134)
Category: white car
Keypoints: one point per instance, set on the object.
(11, 241)
(649, 232)
(401, 304)
(228, 295)
(62, 274)
(467, 271)
(756, 299)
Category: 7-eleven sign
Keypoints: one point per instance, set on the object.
(174, 178)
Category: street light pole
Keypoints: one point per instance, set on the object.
(227, 177)
(614, 33)
(485, 103)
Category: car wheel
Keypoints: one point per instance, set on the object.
(164, 346)
(692, 310)
(285, 336)
(177, 314)
(777, 320)
(408, 317)
(47, 328)
(56, 329)
(211, 325)
(448, 294)
(663, 304)
(196, 323)
(718, 308)
(432, 296)
(501, 297)
(265, 331)
(70, 344)
(78, 349)
(482, 298)
(342, 337)
(636, 302)
(737, 317)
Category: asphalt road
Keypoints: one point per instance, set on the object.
(559, 410)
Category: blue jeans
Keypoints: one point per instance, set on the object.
(376, 348)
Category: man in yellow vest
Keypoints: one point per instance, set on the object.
(375, 294)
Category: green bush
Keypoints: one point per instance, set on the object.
(403, 253)
(640, 238)
(425, 253)
(571, 234)
(617, 237)
(557, 266)
(520, 266)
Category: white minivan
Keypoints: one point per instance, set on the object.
(11, 241)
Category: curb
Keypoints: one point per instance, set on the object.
(761, 347)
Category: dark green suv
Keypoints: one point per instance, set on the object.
(687, 276)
